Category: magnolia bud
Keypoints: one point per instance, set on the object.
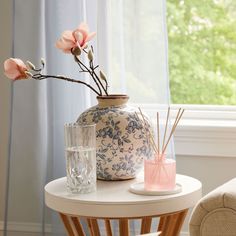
(90, 55)
(102, 76)
(76, 51)
(42, 61)
(62, 76)
(28, 74)
(30, 65)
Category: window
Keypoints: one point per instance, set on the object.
(202, 51)
(202, 66)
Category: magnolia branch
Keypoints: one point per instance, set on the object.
(41, 77)
(92, 73)
(84, 68)
(16, 69)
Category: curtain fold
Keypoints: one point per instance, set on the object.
(131, 49)
(40, 110)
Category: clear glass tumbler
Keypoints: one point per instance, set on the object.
(80, 153)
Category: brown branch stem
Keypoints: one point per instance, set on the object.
(41, 77)
(98, 79)
(105, 90)
(80, 63)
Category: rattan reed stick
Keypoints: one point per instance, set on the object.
(177, 119)
(177, 116)
(167, 118)
(158, 134)
(172, 130)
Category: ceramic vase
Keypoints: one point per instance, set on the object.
(121, 140)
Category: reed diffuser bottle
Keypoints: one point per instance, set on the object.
(160, 170)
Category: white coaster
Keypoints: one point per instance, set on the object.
(138, 188)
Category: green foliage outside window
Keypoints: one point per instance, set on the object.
(202, 51)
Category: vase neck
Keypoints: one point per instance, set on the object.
(112, 100)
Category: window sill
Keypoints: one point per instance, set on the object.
(206, 138)
(204, 130)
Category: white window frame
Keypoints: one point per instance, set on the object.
(205, 130)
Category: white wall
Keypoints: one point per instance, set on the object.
(5, 52)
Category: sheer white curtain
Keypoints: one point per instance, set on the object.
(131, 48)
(40, 108)
(139, 50)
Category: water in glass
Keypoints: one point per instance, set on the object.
(81, 169)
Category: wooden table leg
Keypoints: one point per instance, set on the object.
(108, 227)
(164, 225)
(93, 227)
(66, 221)
(146, 225)
(124, 227)
(78, 226)
(170, 225)
(179, 222)
(90, 227)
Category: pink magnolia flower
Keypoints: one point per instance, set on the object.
(77, 38)
(66, 42)
(82, 35)
(15, 69)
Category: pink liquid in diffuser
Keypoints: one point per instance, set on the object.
(159, 174)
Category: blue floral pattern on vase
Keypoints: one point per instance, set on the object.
(121, 141)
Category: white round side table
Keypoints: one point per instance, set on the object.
(113, 200)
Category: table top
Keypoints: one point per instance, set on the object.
(114, 200)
